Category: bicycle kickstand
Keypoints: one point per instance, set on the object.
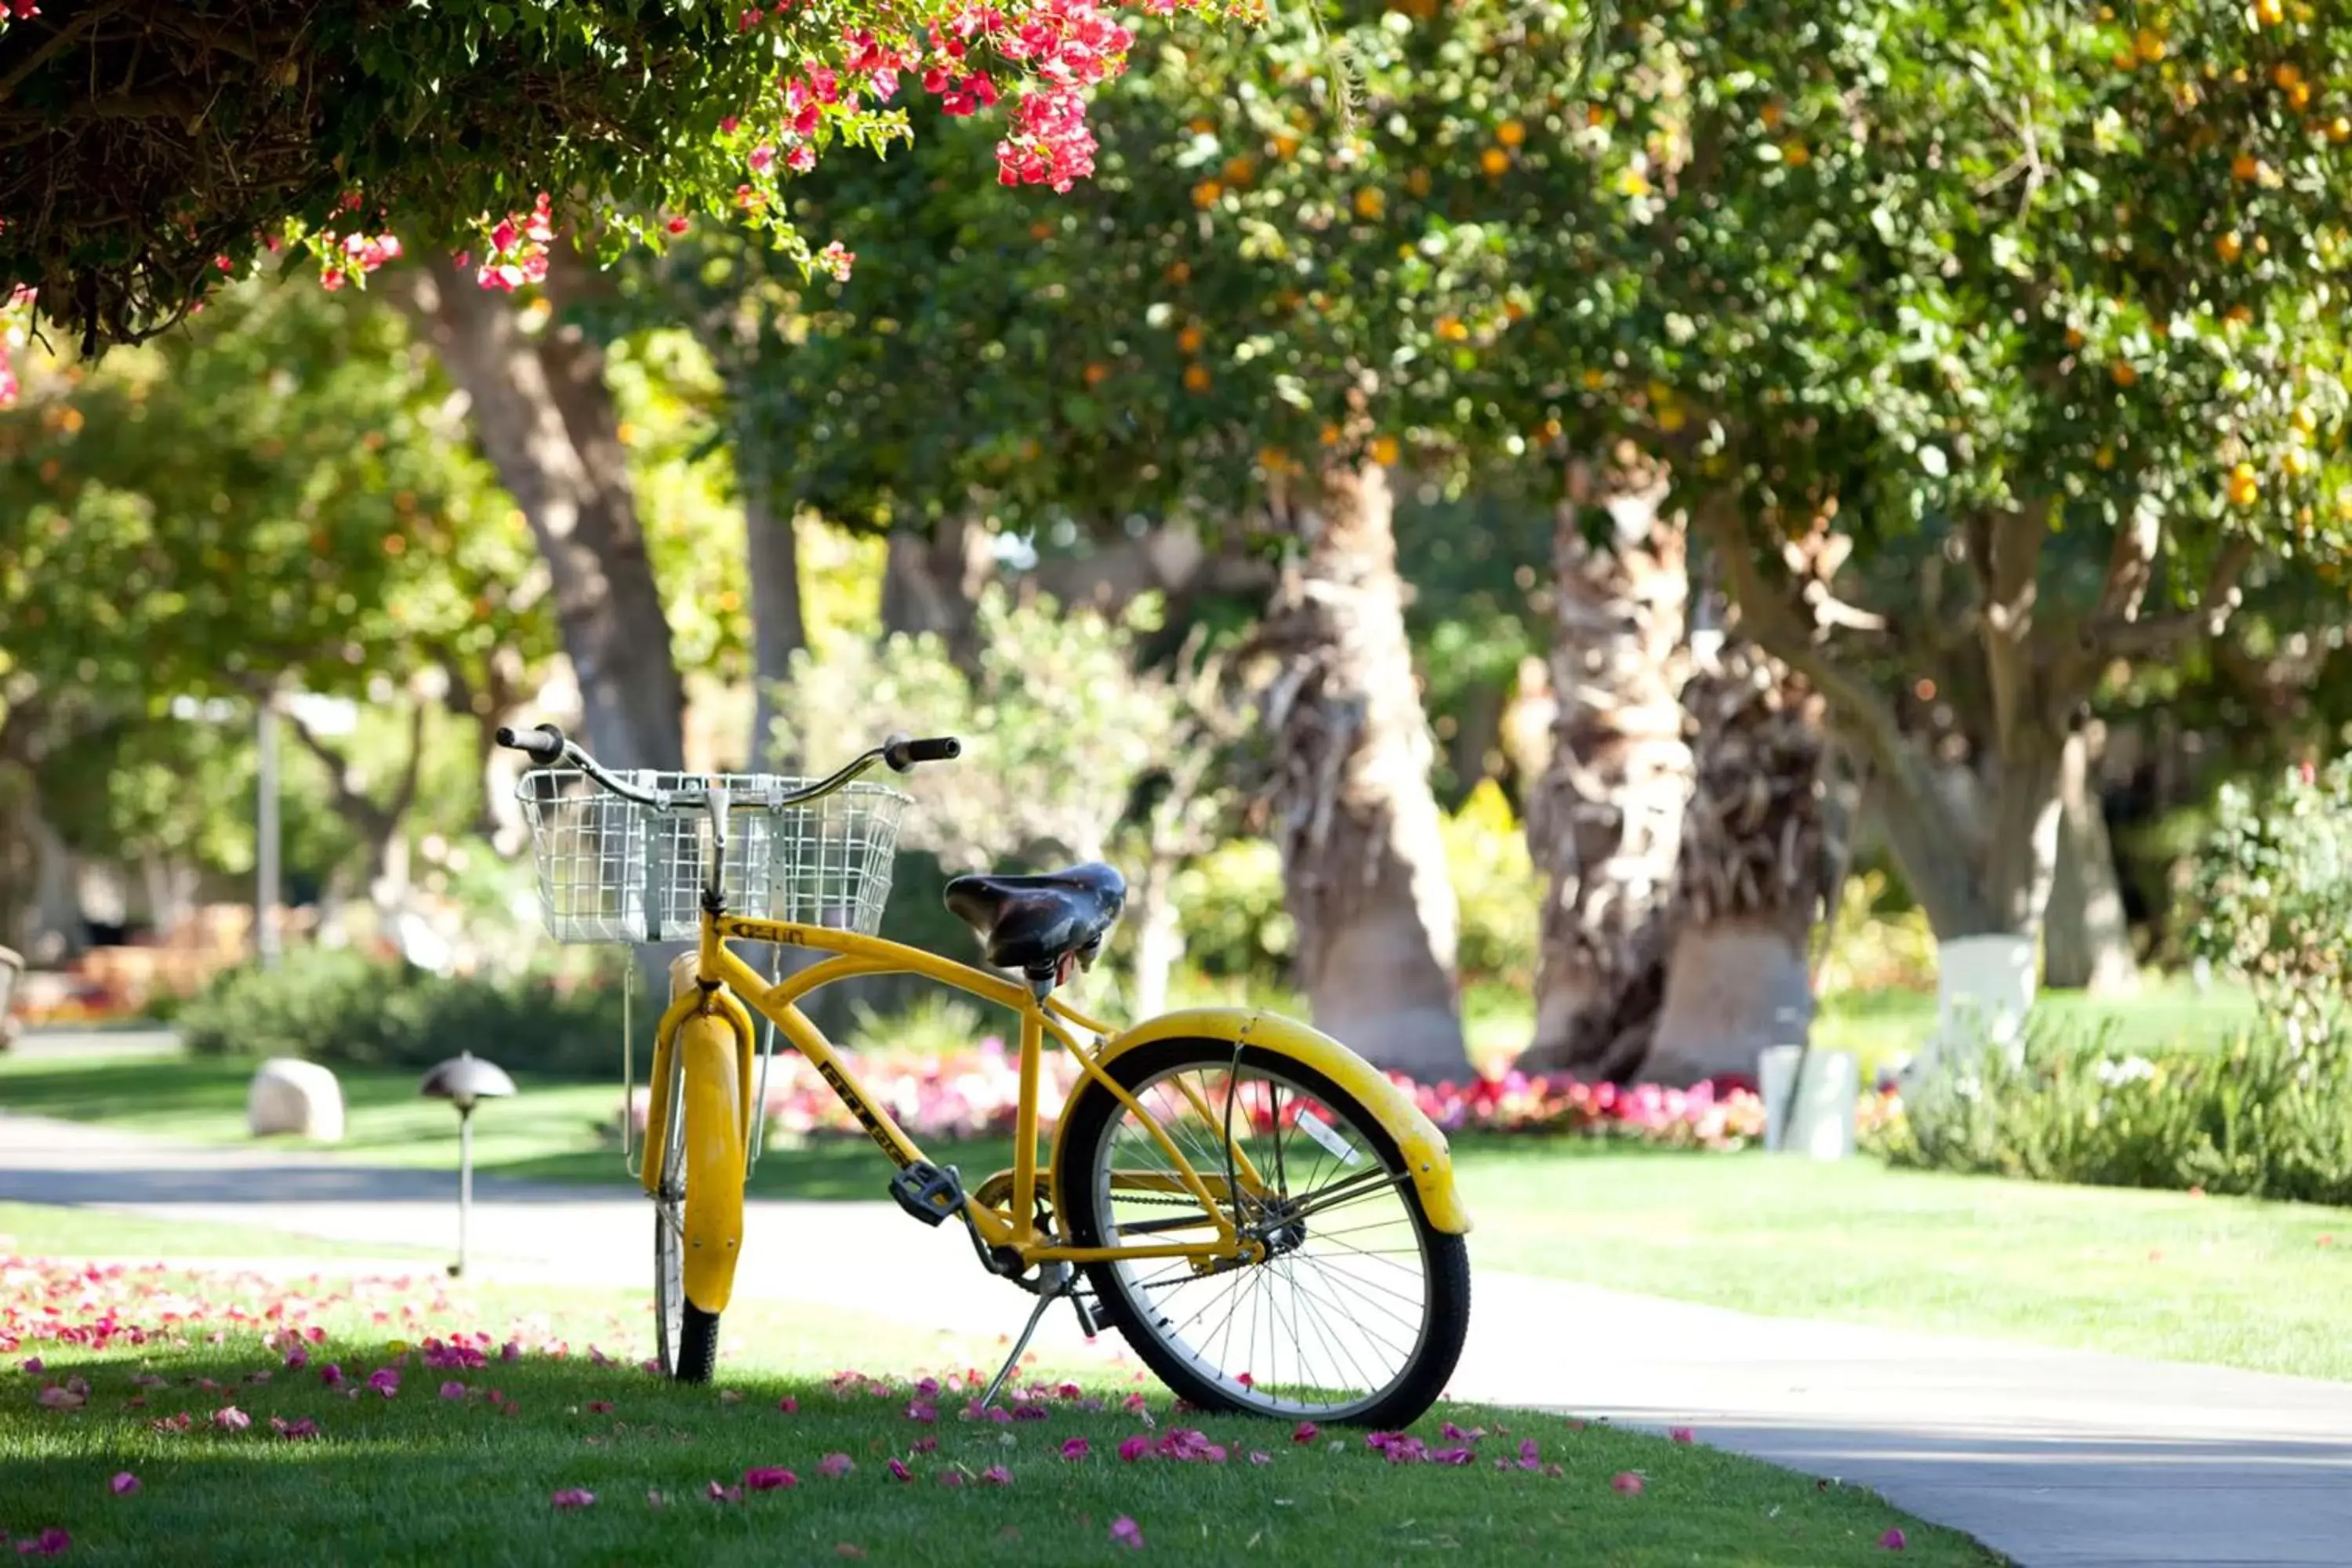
(1047, 1297)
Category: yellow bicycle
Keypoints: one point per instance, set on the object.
(1265, 1217)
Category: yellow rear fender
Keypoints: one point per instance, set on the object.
(1418, 1139)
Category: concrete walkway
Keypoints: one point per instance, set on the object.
(2059, 1460)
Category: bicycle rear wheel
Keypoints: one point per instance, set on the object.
(1358, 1311)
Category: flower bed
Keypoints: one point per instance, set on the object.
(975, 1093)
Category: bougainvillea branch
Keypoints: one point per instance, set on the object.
(158, 149)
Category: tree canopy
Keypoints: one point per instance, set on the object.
(158, 146)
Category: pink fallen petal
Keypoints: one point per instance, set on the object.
(1135, 1448)
(33, 1365)
(718, 1493)
(599, 1407)
(54, 1398)
(926, 1445)
(1076, 1448)
(832, 1466)
(123, 1484)
(1260, 1456)
(229, 1418)
(769, 1479)
(922, 1410)
(1305, 1432)
(50, 1543)
(952, 1479)
(575, 1497)
(996, 1475)
(900, 1472)
(1681, 1435)
(1894, 1540)
(453, 1390)
(1127, 1533)
(788, 1405)
(1626, 1481)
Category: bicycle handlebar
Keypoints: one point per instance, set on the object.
(548, 746)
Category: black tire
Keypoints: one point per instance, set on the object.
(1093, 1116)
(697, 1352)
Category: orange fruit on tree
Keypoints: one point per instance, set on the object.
(2245, 487)
(2229, 248)
(1770, 115)
(2245, 166)
(1594, 380)
(1098, 374)
(2270, 13)
(1188, 340)
(2073, 337)
(2149, 45)
(1595, 116)
(1494, 160)
(1331, 435)
(1451, 329)
(2105, 458)
(1384, 450)
(1510, 133)
(1240, 170)
(1180, 271)
(2286, 76)
(1284, 145)
(2339, 129)
(1797, 153)
(1371, 203)
(2125, 373)
(2299, 95)
(1417, 181)
(1196, 378)
(1206, 193)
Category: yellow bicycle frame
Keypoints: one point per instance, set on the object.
(713, 994)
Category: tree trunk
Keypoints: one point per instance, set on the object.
(1159, 935)
(778, 628)
(933, 585)
(545, 418)
(1605, 818)
(2086, 940)
(1363, 859)
(1748, 875)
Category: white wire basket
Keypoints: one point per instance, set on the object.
(612, 871)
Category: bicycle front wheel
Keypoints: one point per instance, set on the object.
(698, 1199)
(1356, 1310)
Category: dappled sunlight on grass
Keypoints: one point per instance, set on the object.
(399, 1420)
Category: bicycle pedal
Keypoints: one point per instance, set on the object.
(931, 1195)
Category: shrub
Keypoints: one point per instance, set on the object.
(2269, 1117)
(337, 1005)
(1495, 884)
(2275, 895)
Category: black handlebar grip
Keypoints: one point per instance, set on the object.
(543, 744)
(902, 753)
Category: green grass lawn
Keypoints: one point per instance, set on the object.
(1881, 1027)
(44, 1230)
(441, 1472)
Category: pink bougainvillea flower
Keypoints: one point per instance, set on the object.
(925, 1446)
(453, 1390)
(996, 1475)
(1305, 1432)
(922, 1410)
(575, 1497)
(832, 1466)
(1681, 1435)
(1135, 1448)
(763, 158)
(788, 1405)
(33, 1365)
(50, 1543)
(1260, 1456)
(229, 1418)
(384, 1379)
(900, 1472)
(1076, 1448)
(599, 1407)
(1626, 1481)
(294, 1431)
(1127, 1533)
(718, 1493)
(1894, 1540)
(331, 1376)
(123, 1484)
(1529, 1455)
(950, 1478)
(770, 1478)
(56, 1398)
(298, 1358)
(1458, 1454)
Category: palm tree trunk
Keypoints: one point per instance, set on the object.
(1749, 875)
(1604, 819)
(1363, 861)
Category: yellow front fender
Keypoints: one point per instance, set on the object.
(1422, 1146)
